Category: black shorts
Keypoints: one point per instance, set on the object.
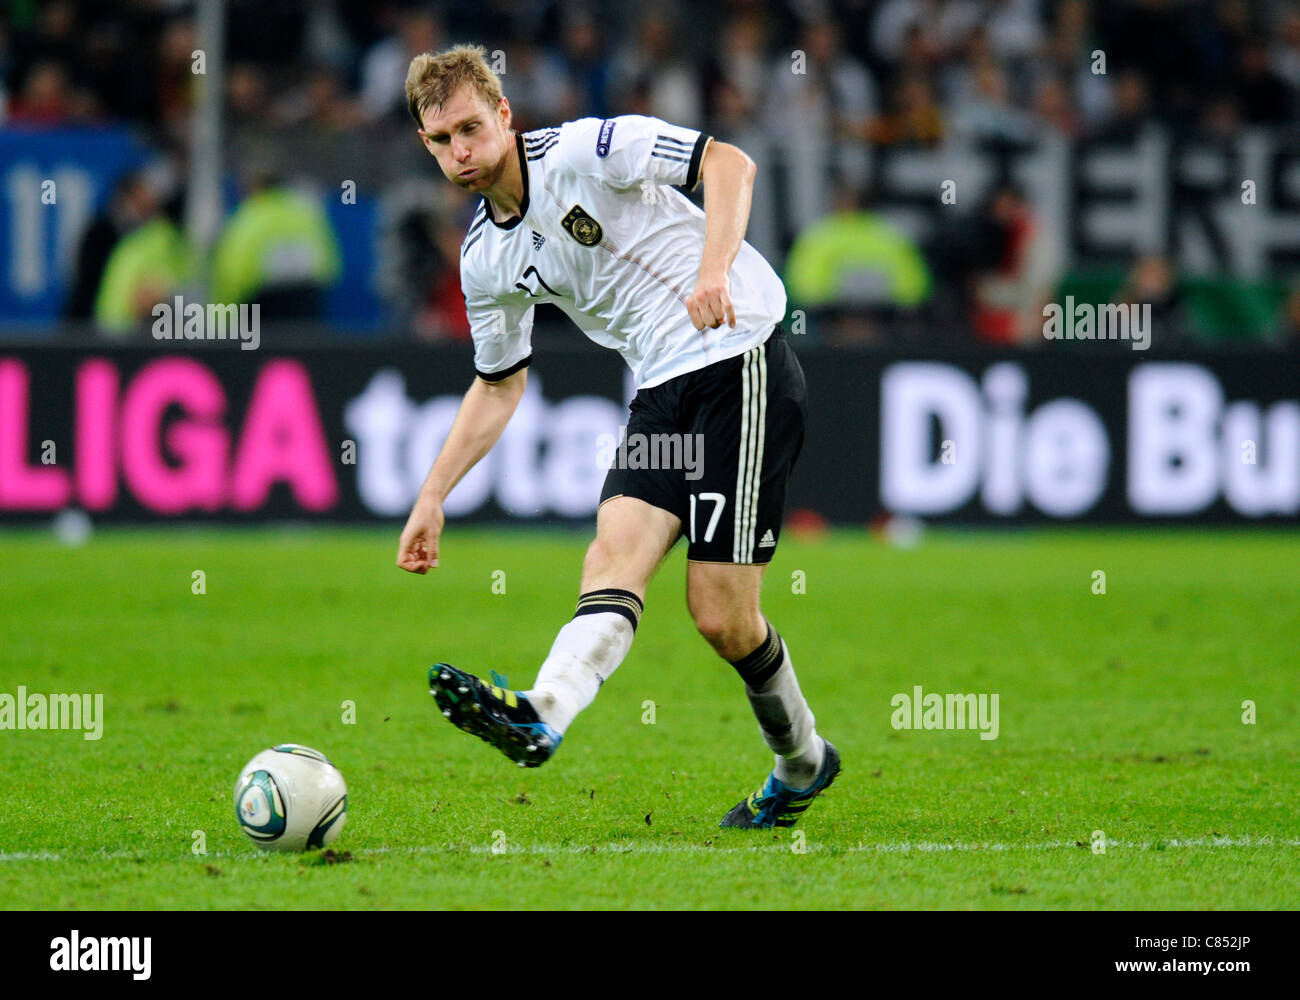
(715, 447)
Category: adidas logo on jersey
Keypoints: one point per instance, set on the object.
(538, 240)
(767, 541)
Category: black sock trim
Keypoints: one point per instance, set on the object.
(620, 602)
(761, 665)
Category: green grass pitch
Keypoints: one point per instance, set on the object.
(1119, 712)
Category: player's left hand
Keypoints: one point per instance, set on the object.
(710, 303)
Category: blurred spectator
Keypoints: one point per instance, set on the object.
(1285, 55)
(1289, 338)
(46, 97)
(988, 113)
(1262, 93)
(135, 199)
(655, 65)
(267, 32)
(736, 75)
(279, 249)
(1166, 41)
(834, 96)
(247, 96)
(53, 38)
(6, 67)
(1015, 29)
(943, 23)
(537, 87)
(855, 257)
(821, 106)
(326, 38)
(424, 224)
(1218, 47)
(957, 78)
(441, 313)
(1220, 121)
(1068, 56)
(383, 69)
(1131, 110)
(919, 57)
(320, 104)
(914, 118)
(109, 66)
(1019, 276)
(1152, 281)
(1054, 109)
(586, 67)
(147, 266)
(177, 83)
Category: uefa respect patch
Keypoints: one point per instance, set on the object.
(605, 138)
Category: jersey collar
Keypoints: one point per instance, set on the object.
(523, 205)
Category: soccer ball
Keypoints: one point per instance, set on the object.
(291, 798)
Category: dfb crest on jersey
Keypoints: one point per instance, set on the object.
(582, 227)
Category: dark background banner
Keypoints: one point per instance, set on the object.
(1099, 433)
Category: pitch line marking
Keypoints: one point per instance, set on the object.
(899, 847)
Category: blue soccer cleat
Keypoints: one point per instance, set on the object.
(494, 714)
(776, 804)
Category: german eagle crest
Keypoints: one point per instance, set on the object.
(582, 227)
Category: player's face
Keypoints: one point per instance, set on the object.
(469, 138)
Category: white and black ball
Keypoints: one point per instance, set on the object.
(291, 798)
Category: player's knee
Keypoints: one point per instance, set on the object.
(716, 632)
(599, 559)
(613, 556)
(731, 635)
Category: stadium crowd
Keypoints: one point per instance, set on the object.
(313, 93)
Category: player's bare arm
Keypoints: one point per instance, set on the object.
(480, 421)
(728, 176)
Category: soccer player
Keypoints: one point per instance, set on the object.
(585, 216)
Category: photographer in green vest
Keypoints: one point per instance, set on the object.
(277, 249)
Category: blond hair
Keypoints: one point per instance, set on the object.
(432, 79)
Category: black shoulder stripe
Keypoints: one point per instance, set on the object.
(505, 372)
(697, 154)
(676, 142)
(537, 152)
(537, 138)
(471, 241)
(665, 156)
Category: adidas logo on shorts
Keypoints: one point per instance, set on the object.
(767, 541)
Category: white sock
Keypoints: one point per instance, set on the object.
(785, 720)
(586, 652)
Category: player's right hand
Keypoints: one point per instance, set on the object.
(709, 304)
(418, 549)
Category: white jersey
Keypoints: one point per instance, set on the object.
(603, 235)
